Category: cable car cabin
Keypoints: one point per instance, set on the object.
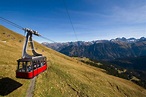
(31, 67)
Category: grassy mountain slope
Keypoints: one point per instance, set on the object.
(65, 76)
(10, 51)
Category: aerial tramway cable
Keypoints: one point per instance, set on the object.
(25, 29)
(47, 39)
(11, 23)
(70, 19)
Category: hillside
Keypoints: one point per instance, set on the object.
(129, 68)
(65, 76)
(102, 49)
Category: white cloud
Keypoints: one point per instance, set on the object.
(129, 15)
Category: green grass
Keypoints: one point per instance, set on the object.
(65, 76)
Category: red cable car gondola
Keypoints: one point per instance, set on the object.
(30, 66)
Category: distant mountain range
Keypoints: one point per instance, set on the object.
(102, 49)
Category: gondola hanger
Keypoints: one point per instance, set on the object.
(29, 66)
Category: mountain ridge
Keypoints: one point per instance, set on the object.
(102, 49)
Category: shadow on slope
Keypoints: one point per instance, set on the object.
(8, 85)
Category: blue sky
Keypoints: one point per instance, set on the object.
(92, 19)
